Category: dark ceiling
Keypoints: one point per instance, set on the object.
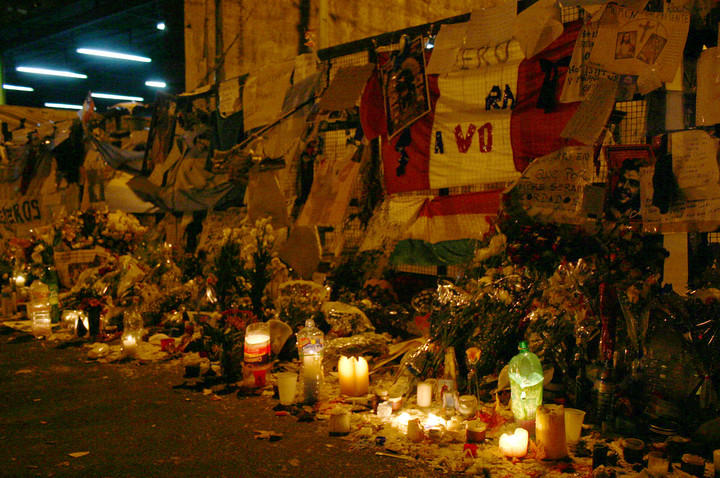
(47, 33)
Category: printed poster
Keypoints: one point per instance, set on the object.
(405, 87)
(623, 181)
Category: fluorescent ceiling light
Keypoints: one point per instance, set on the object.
(156, 84)
(63, 106)
(45, 71)
(161, 26)
(18, 88)
(113, 54)
(116, 97)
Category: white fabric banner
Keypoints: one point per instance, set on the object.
(470, 141)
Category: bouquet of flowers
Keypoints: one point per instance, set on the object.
(245, 264)
(223, 337)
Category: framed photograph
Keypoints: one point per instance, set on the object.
(623, 181)
(405, 87)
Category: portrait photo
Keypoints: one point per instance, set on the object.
(651, 49)
(623, 181)
(625, 45)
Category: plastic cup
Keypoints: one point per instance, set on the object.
(287, 383)
(658, 464)
(573, 425)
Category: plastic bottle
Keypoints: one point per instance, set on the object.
(310, 343)
(40, 309)
(526, 385)
(132, 330)
(53, 283)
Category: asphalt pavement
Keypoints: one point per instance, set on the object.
(63, 415)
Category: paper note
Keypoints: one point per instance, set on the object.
(588, 122)
(491, 26)
(229, 97)
(629, 41)
(264, 94)
(694, 159)
(448, 42)
(346, 87)
(553, 186)
(698, 206)
(538, 26)
(707, 112)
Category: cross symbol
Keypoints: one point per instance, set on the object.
(645, 27)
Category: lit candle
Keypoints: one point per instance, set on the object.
(424, 394)
(550, 430)
(414, 432)
(129, 346)
(515, 445)
(312, 377)
(354, 377)
(257, 343)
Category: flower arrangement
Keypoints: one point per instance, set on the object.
(299, 300)
(223, 338)
(245, 264)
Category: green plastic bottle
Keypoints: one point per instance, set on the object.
(526, 383)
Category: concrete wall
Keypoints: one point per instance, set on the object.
(233, 36)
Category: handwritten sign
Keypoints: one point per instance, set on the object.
(698, 206)
(629, 41)
(552, 186)
(588, 122)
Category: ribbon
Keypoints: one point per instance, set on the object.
(548, 91)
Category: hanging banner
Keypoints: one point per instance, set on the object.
(539, 117)
(470, 141)
(447, 229)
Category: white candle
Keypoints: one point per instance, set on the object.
(515, 445)
(129, 346)
(354, 376)
(424, 394)
(550, 430)
(414, 433)
(312, 376)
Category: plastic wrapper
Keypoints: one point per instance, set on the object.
(368, 343)
(345, 320)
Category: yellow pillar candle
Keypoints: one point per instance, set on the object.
(550, 431)
(515, 445)
(354, 376)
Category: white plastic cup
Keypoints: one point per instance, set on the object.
(658, 464)
(287, 384)
(573, 425)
